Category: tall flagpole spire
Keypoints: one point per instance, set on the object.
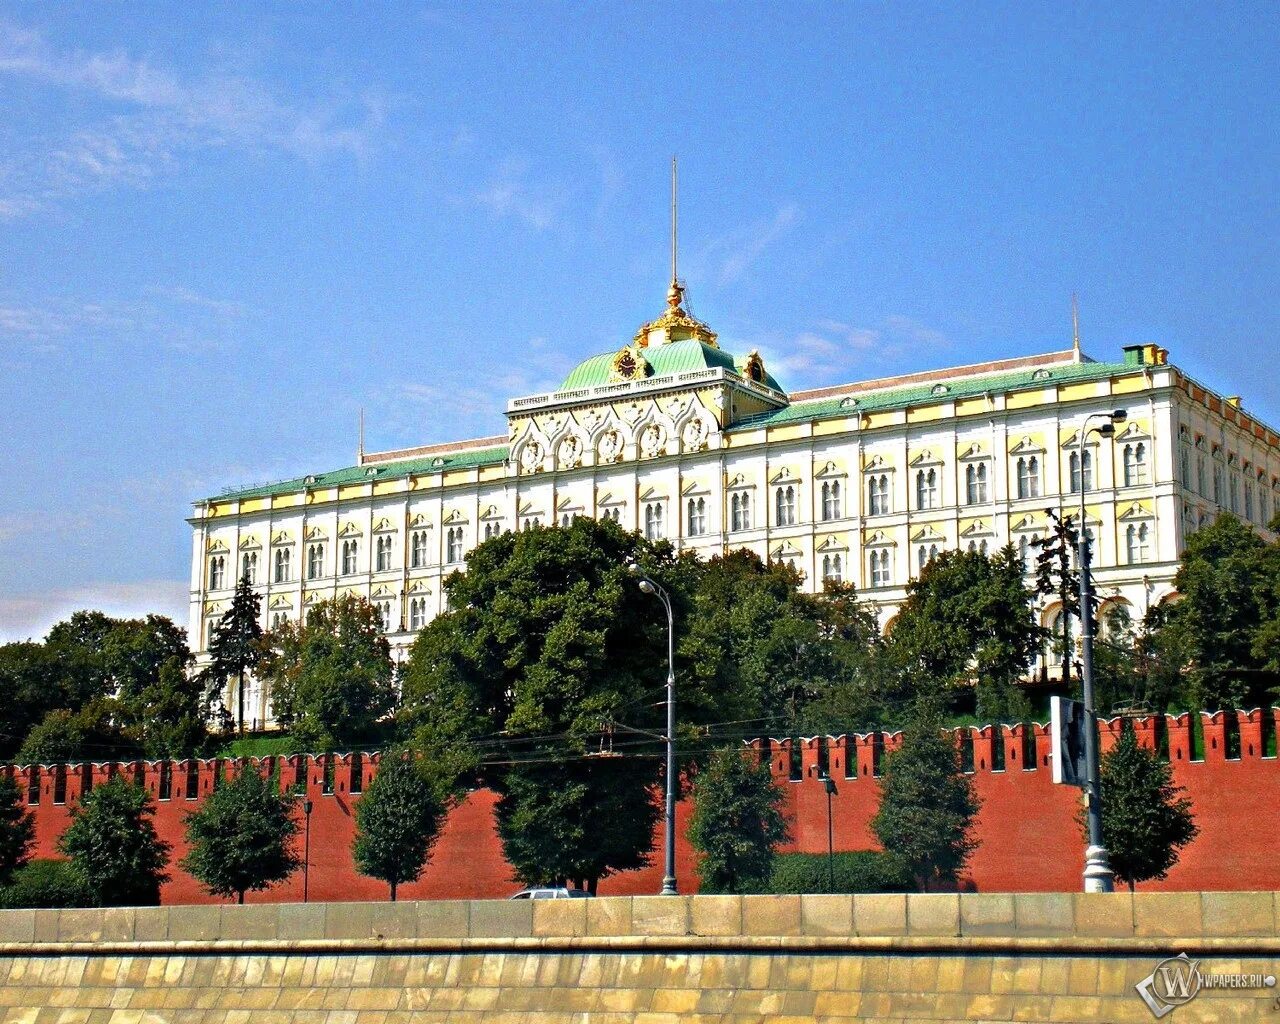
(1075, 327)
(675, 294)
(360, 442)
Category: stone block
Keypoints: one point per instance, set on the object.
(150, 924)
(934, 913)
(393, 920)
(827, 914)
(556, 918)
(1163, 914)
(190, 924)
(17, 926)
(660, 915)
(771, 915)
(880, 913)
(715, 915)
(1103, 914)
(501, 919)
(1043, 913)
(348, 920)
(46, 926)
(987, 913)
(1238, 913)
(443, 919)
(300, 921)
(610, 915)
(252, 921)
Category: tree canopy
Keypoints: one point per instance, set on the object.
(398, 820)
(331, 675)
(17, 830)
(113, 845)
(235, 647)
(241, 837)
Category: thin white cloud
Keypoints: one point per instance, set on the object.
(154, 117)
(29, 615)
(511, 193)
(737, 252)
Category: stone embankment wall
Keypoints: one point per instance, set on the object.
(1027, 826)
(648, 960)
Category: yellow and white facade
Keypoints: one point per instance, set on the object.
(675, 438)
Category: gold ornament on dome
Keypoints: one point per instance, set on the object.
(675, 324)
(754, 368)
(629, 364)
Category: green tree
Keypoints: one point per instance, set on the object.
(113, 845)
(166, 719)
(235, 648)
(1146, 819)
(87, 734)
(241, 837)
(17, 830)
(398, 820)
(927, 805)
(331, 676)
(550, 643)
(1228, 606)
(970, 617)
(31, 681)
(737, 823)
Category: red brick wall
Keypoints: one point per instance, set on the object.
(1027, 826)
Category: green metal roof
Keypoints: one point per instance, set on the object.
(925, 394)
(676, 357)
(385, 471)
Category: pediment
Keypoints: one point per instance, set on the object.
(349, 530)
(927, 533)
(693, 487)
(419, 520)
(926, 458)
(978, 528)
(833, 542)
(880, 539)
(419, 587)
(973, 453)
(1074, 441)
(653, 494)
(383, 525)
(1027, 446)
(1024, 524)
(313, 598)
(217, 544)
(1134, 432)
(281, 601)
(738, 483)
(829, 471)
(383, 590)
(569, 505)
(786, 550)
(607, 499)
(529, 509)
(491, 513)
(315, 533)
(877, 464)
(455, 516)
(784, 475)
(282, 537)
(1135, 511)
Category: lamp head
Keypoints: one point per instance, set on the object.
(646, 587)
(307, 807)
(1119, 416)
(1107, 429)
(829, 784)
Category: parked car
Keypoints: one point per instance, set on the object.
(551, 892)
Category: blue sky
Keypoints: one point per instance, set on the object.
(224, 229)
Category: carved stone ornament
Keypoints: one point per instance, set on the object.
(531, 457)
(693, 435)
(652, 441)
(570, 452)
(610, 447)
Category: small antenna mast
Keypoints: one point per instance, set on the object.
(1075, 327)
(360, 448)
(674, 222)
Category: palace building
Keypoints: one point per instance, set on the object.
(672, 436)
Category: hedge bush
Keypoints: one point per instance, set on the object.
(859, 871)
(45, 883)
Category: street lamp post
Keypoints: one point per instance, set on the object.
(648, 586)
(829, 784)
(1098, 876)
(307, 808)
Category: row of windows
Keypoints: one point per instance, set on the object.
(1242, 490)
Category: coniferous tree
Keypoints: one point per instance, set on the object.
(17, 830)
(398, 820)
(737, 823)
(113, 845)
(241, 838)
(235, 646)
(927, 805)
(1146, 820)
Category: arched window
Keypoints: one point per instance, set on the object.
(653, 520)
(832, 568)
(383, 610)
(1248, 499)
(1184, 457)
(740, 509)
(1024, 549)
(1135, 464)
(878, 494)
(880, 568)
(417, 612)
(1201, 480)
(283, 557)
(1054, 646)
(614, 513)
(217, 572)
(784, 506)
(249, 567)
(278, 619)
(350, 548)
(1076, 475)
(315, 561)
(384, 554)
(1138, 542)
(453, 544)
(697, 517)
(1028, 477)
(1235, 493)
(830, 500)
(418, 549)
(983, 548)
(1217, 482)
(975, 483)
(926, 488)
